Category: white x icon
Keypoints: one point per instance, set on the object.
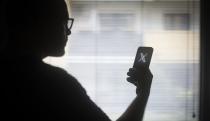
(142, 57)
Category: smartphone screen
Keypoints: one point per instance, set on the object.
(143, 57)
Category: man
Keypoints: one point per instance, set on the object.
(34, 90)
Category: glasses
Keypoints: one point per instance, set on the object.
(70, 23)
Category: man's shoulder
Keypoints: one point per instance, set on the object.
(54, 70)
(60, 76)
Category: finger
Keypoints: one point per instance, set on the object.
(131, 80)
(131, 72)
(132, 69)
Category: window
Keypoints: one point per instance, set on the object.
(100, 57)
(116, 21)
(176, 21)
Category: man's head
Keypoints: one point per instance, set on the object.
(37, 26)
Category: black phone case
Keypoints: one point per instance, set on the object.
(143, 57)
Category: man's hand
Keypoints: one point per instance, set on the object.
(142, 79)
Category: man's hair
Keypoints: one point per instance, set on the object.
(22, 12)
(25, 14)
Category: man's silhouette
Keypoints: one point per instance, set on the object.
(34, 90)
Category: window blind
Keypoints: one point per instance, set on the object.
(103, 44)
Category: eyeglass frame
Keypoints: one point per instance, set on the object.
(70, 20)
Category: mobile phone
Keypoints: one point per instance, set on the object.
(143, 57)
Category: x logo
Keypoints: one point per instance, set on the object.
(142, 57)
